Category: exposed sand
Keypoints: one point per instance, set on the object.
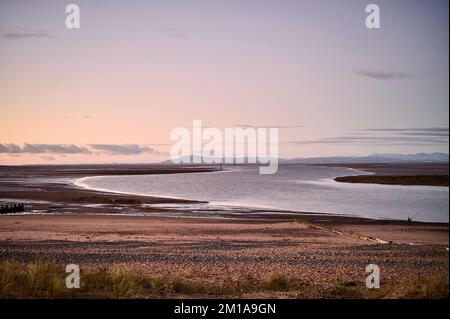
(398, 168)
(73, 227)
(219, 249)
(425, 174)
(422, 180)
(214, 249)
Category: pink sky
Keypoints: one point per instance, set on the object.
(138, 69)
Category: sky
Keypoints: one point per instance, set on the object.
(113, 90)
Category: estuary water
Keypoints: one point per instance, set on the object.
(295, 187)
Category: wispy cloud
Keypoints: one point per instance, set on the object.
(387, 136)
(174, 33)
(378, 140)
(43, 149)
(27, 34)
(437, 134)
(68, 149)
(120, 149)
(384, 75)
(413, 129)
(267, 126)
(10, 148)
(87, 117)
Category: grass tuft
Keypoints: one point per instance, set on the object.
(45, 279)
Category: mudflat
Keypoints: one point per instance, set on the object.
(279, 254)
(425, 174)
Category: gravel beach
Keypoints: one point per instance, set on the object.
(71, 225)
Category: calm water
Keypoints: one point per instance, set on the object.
(293, 187)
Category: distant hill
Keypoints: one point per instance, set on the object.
(190, 159)
(374, 158)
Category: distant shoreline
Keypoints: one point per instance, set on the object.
(315, 254)
(405, 180)
(405, 174)
(61, 197)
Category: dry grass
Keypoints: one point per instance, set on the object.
(44, 279)
(36, 279)
(417, 288)
(435, 288)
